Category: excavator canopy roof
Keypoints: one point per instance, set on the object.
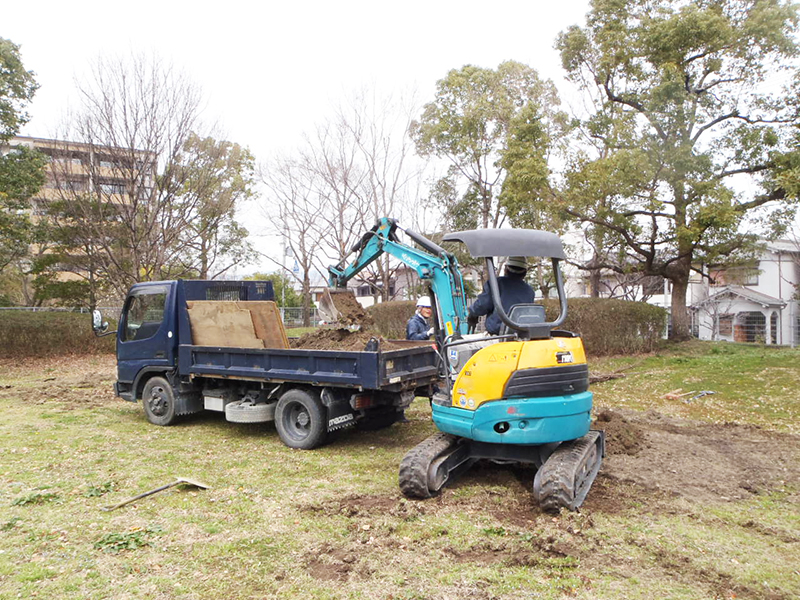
(509, 242)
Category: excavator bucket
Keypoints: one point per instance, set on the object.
(327, 305)
(340, 307)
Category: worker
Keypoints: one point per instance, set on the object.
(513, 290)
(418, 327)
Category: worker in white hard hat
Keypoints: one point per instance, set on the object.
(513, 290)
(418, 326)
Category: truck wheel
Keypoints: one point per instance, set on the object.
(300, 420)
(158, 399)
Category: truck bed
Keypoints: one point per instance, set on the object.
(392, 370)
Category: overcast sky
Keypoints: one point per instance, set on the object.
(271, 70)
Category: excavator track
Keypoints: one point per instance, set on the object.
(420, 472)
(565, 478)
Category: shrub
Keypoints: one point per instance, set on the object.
(25, 333)
(610, 326)
(391, 317)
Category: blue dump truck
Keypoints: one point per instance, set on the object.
(187, 346)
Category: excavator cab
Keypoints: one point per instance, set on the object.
(521, 396)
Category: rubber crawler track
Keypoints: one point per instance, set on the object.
(560, 476)
(415, 464)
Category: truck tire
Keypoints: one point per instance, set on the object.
(158, 400)
(300, 420)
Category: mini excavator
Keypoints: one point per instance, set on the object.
(520, 396)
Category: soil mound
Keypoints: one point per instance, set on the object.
(622, 436)
(332, 338)
(350, 311)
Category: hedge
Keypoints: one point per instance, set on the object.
(27, 334)
(391, 317)
(610, 327)
(607, 326)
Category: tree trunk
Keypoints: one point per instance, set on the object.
(680, 315)
(306, 300)
(594, 283)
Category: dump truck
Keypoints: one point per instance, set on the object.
(186, 346)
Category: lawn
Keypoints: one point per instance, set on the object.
(697, 498)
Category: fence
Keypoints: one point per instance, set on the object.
(294, 317)
(110, 310)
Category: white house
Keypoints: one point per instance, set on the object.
(758, 303)
(751, 304)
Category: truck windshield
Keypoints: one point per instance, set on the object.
(145, 314)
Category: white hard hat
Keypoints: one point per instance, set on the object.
(518, 262)
(424, 302)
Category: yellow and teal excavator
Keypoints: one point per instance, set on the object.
(520, 396)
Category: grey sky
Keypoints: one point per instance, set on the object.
(271, 70)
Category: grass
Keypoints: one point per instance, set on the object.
(331, 523)
(749, 383)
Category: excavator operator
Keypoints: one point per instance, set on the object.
(513, 290)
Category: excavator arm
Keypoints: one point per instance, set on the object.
(433, 265)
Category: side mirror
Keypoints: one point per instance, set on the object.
(98, 325)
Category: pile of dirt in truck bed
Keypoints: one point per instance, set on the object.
(350, 311)
(332, 338)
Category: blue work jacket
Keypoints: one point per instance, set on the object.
(417, 328)
(513, 290)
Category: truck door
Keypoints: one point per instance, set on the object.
(146, 334)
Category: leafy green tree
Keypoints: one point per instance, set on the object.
(218, 176)
(685, 106)
(481, 121)
(285, 294)
(17, 87)
(21, 176)
(21, 169)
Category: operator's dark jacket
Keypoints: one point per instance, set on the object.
(513, 290)
(417, 328)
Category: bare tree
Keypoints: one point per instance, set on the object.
(353, 170)
(124, 176)
(294, 209)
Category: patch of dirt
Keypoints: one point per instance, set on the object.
(697, 461)
(72, 382)
(622, 436)
(330, 563)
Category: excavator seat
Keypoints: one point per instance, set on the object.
(524, 314)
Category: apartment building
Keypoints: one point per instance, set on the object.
(76, 168)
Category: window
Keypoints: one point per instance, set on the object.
(112, 188)
(736, 276)
(144, 314)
